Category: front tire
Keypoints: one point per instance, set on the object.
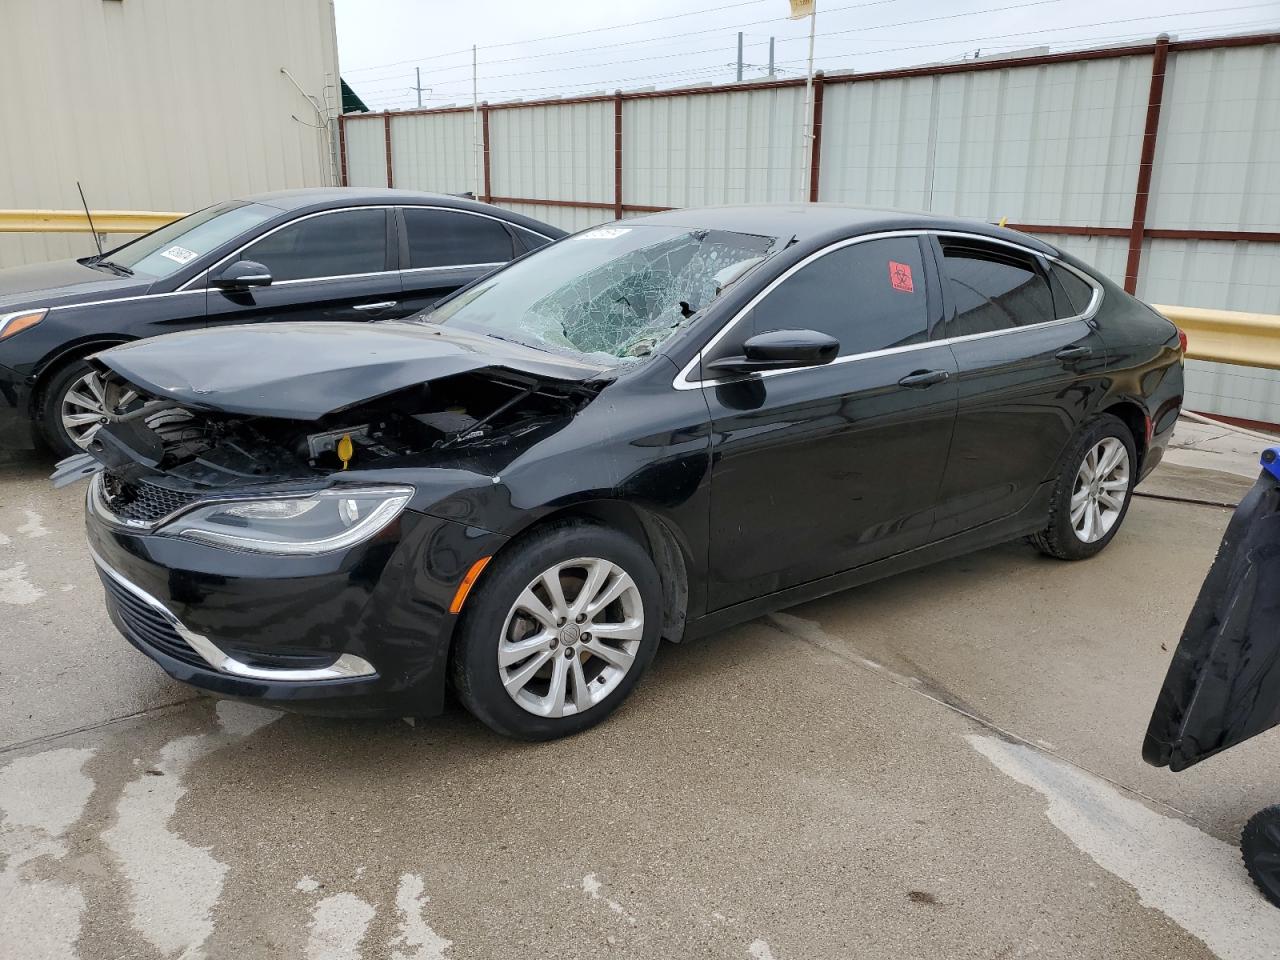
(1091, 496)
(558, 631)
(72, 408)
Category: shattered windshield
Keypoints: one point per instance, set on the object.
(613, 293)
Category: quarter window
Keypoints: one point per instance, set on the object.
(869, 296)
(1071, 294)
(993, 288)
(329, 245)
(446, 238)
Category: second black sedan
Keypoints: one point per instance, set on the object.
(651, 429)
(320, 254)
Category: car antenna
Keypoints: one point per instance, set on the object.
(88, 216)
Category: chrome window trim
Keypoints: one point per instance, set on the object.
(683, 379)
(471, 213)
(456, 266)
(363, 206)
(348, 666)
(289, 223)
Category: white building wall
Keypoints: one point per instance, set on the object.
(163, 105)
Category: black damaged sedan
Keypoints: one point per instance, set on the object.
(649, 430)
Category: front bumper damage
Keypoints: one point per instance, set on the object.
(361, 632)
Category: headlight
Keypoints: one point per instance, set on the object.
(318, 523)
(11, 323)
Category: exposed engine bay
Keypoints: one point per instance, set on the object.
(173, 453)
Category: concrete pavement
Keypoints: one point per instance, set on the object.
(945, 764)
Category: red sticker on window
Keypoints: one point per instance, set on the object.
(900, 276)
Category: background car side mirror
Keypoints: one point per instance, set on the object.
(241, 275)
(779, 350)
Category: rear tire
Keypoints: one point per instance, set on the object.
(1092, 493)
(558, 631)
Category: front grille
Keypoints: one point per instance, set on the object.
(146, 624)
(142, 500)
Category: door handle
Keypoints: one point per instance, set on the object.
(1074, 353)
(924, 378)
(380, 305)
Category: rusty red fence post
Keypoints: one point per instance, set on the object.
(617, 155)
(815, 145)
(342, 149)
(386, 130)
(1142, 192)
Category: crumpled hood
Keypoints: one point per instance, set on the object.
(63, 282)
(304, 371)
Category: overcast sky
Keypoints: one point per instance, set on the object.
(531, 49)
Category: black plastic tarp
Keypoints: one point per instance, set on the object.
(1223, 685)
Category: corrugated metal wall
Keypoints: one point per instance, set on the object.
(1218, 168)
(431, 152)
(366, 141)
(1054, 144)
(713, 148)
(552, 153)
(158, 105)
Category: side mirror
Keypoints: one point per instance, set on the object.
(780, 350)
(241, 275)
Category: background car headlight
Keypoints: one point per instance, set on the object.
(11, 323)
(316, 523)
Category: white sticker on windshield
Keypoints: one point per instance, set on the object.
(604, 233)
(179, 254)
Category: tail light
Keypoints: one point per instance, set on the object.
(1182, 341)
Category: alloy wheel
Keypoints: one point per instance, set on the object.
(571, 637)
(84, 407)
(1100, 490)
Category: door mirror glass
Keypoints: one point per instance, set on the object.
(780, 350)
(241, 275)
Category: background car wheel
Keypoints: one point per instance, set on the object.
(72, 408)
(1092, 493)
(557, 632)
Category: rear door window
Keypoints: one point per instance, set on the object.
(449, 238)
(869, 296)
(993, 288)
(328, 245)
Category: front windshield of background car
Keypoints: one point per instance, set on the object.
(610, 294)
(174, 245)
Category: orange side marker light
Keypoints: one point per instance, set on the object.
(464, 588)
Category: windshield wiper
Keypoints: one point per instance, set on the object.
(118, 269)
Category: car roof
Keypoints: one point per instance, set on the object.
(320, 198)
(822, 222)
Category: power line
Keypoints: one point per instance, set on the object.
(608, 46)
(561, 36)
(1210, 30)
(900, 23)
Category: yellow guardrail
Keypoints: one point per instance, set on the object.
(74, 221)
(1228, 336)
